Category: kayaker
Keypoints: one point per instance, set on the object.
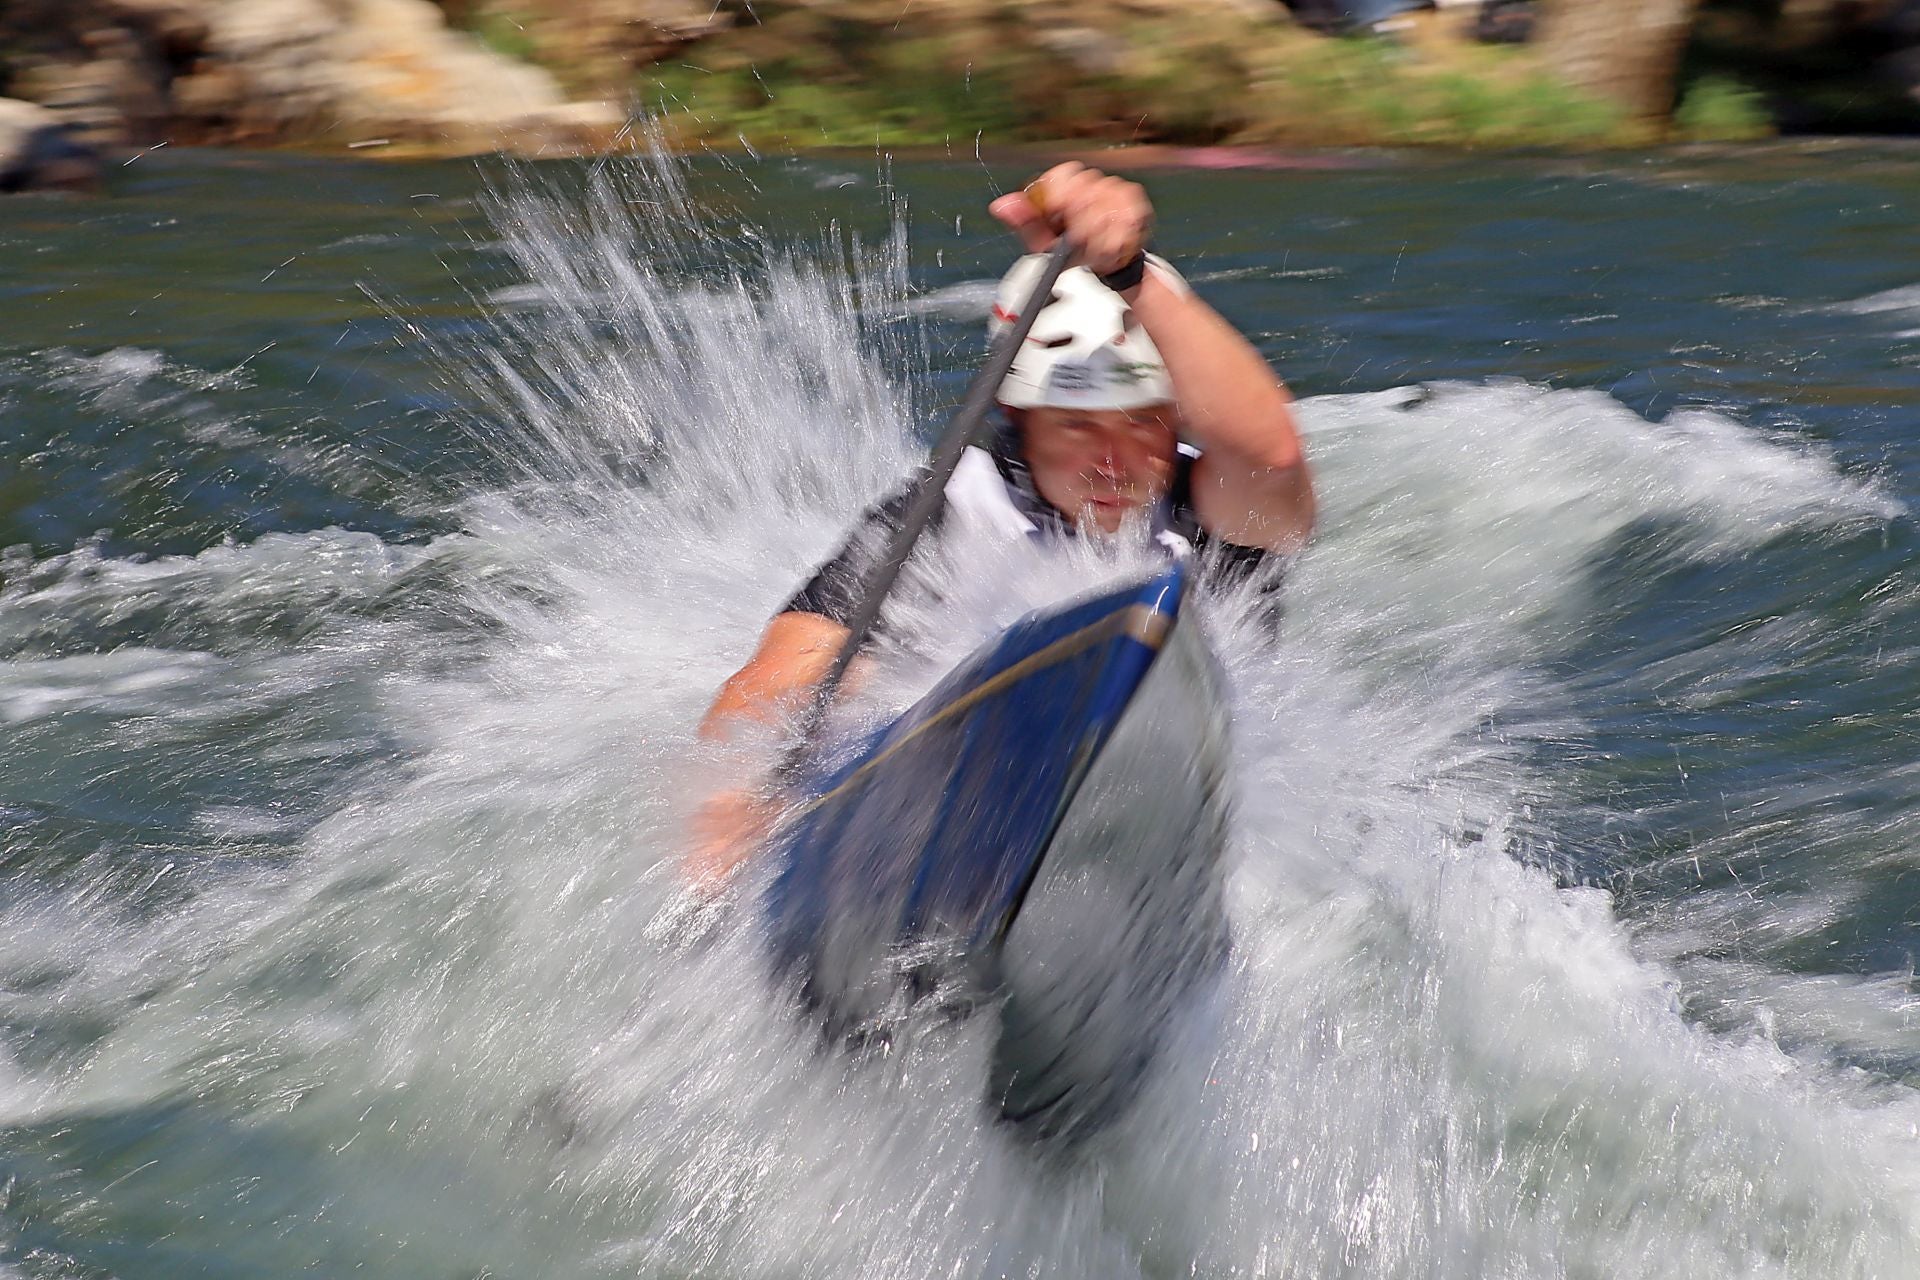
(1132, 404)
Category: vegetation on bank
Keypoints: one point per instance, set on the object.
(1805, 76)
(1315, 92)
(811, 75)
(546, 77)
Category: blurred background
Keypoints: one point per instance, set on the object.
(546, 76)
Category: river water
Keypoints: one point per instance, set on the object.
(377, 532)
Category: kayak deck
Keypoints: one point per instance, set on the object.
(965, 844)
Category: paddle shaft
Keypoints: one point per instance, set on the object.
(961, 430)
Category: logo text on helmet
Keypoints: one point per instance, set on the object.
(1072, 377)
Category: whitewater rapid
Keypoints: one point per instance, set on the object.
(427, 996)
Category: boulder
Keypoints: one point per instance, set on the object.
(174, 27)
(38, 153)
(350, 70)
(113, 95)
(607, 39)
(280, 59)
(1093, 53)
(320, 71)
(1627, 52)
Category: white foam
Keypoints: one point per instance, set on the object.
(123, 681)
(477, 1012)
(1902, 298)
(110, 369)
(231, 586)
(127, 377)
(1471, 514)
(243, 822)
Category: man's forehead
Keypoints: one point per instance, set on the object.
(1157, 415)
(1160, 415)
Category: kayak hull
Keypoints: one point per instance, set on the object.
(1126, 917)
(1042, 831)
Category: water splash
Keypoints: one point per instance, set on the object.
(458, 1015)
(1904, 298)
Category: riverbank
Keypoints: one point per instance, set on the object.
(1250, 81)
(542, 77)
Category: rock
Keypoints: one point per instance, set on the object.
(216, 93)
(571, 128)
(1504, 22)
(609, 38)
(351, 70)
(1903, 70)
(282, 52)
(316, 71)
(38, 153)
(116, 97)
(1627, 52)
(174, 27)
(105, 66)
(1095, 53)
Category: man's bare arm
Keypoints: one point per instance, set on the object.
(795, 653)
(1252, 485)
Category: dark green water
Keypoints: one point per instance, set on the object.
(374, 541)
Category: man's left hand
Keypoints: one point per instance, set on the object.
(1107, 218)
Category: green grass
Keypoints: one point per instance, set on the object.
(820, 85)
(906, 97)
(1361, 90)
(1718, 108)
(505, 32)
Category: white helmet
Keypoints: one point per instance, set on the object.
(1085, 351)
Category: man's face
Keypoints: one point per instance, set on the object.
(1100, 464)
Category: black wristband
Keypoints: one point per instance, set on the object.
(1127, 277)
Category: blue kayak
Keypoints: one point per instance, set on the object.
(1043, 832)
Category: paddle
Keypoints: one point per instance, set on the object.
(960, 432)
